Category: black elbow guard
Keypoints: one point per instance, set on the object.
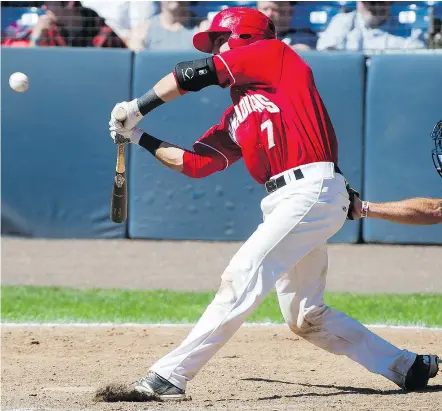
(197, 74)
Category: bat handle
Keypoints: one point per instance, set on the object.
(121, 166)
(120, 113)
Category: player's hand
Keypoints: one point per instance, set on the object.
(123, 136)
(133, 116)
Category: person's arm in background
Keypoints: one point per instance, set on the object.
(204, 25)
(140, 12)
(303, 40)
(333, 37)
(413, 211)
(44, 22)
(114, 14)
(137, 36)
(417, 40)
(139, 15)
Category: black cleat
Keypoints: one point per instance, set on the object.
(423, 368)
(154, 384)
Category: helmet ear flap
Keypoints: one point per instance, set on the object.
(235, 41)
(272, 29)
(241, 40)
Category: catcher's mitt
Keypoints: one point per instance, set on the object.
(352, 193)
(436, 135)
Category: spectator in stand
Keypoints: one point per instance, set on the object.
(281, 13)
(67, 24)
(172, 29)
(22, 3)
(122, 16)
(369, 27)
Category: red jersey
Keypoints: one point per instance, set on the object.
(277, 121)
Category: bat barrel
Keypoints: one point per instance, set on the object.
(119, 190)
(119, 199)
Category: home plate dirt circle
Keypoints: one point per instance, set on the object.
(70, 389)
(261, 368)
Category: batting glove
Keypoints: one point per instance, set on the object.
(133, 115)
(124, 137)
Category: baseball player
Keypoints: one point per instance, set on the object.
(413, 211)
(280, 127)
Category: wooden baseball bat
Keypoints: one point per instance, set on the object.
(119, 190)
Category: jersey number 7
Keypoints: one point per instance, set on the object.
(268, 125)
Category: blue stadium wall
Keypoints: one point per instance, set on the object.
(58, 161)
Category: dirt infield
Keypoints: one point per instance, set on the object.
(259, 369)
(58, 368)
(185, 265)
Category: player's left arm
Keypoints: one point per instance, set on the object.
(187, 76)
(244, 65)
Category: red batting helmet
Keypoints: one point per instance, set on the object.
(245, 26)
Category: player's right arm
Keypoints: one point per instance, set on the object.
(214, 151)
(413, 211)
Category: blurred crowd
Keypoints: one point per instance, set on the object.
(170, 25)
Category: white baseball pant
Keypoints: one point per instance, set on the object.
(288, 251)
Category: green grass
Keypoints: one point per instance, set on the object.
(53, 304)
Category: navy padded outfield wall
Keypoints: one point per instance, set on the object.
(403, 105)
(226, 206)
(58, 161)
(340, 79)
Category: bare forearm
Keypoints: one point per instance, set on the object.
(168, 154)
(189, 163)
(176, 84)
(415, 211)
(164, 91)
(167, 89)
(171, 156)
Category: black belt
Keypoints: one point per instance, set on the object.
(273, 185)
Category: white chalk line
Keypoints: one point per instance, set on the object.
(32, 409)
(45, 409)
(184, 325)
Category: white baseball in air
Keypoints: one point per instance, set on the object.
(19, 82)
(120, 113)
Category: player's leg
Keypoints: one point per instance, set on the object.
(300, 293)
(305, 214)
